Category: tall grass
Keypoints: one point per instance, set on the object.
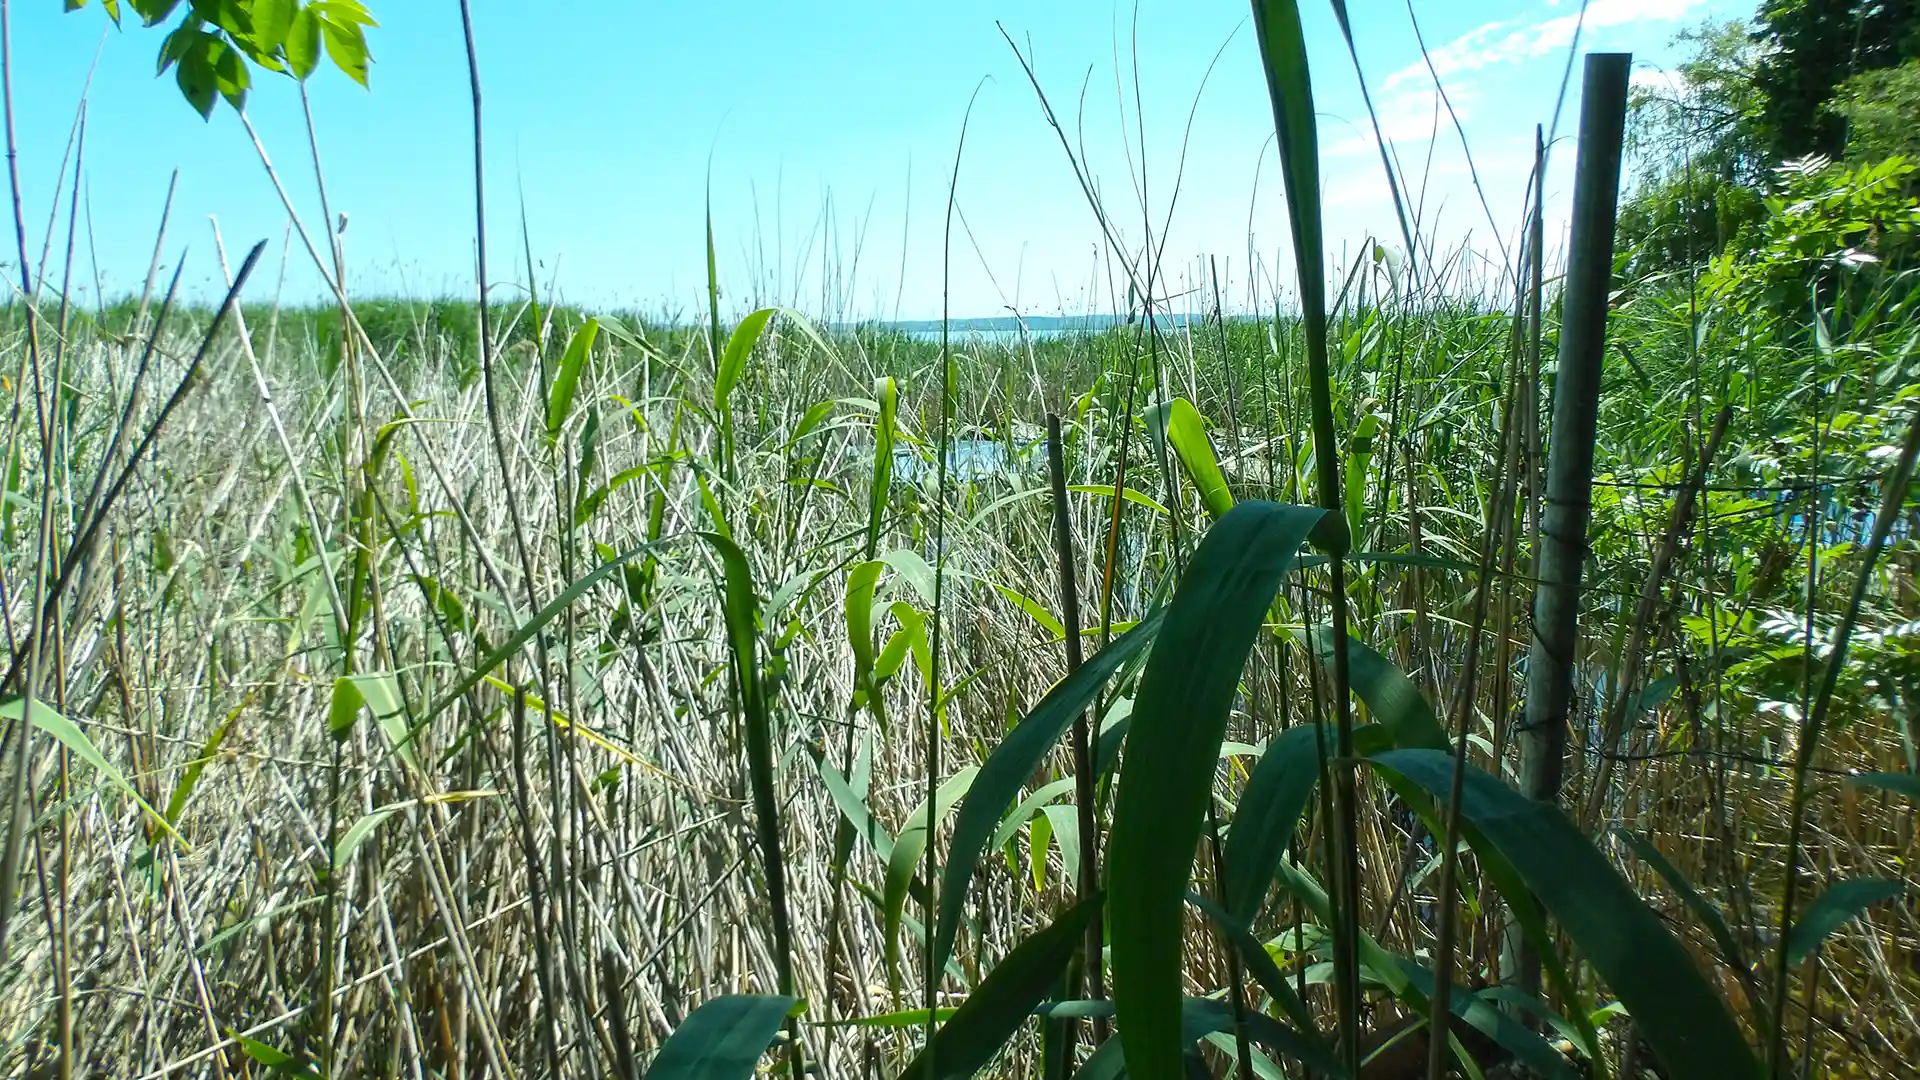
(435, 689)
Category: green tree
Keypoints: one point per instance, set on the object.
(1692, 137)
(1701, 116)
(1882, 110)
(1811, 48)
(215, 44)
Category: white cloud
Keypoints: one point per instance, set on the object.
(1521, 39)
(1407, 116)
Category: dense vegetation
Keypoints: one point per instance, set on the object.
(406, 689)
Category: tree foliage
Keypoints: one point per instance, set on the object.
(1700, 116)
(1805, 79)
(1881, 108)
(215, 44)
(1812, 46)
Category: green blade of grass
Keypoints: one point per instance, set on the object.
(1173, 744)
(190, 778)
(1270, 806)
(741, 611)
(1283, 56)
(1708, 914)
(1395, 702)
(1523, 1042)
(1199, 1018)
(733, 362)
(1014, 761)
(991, 1015)
(560, 398)
(1676, 1010)
(1843, 902)
(1260, 965)
(527, 630)
(722, 1039)
(1186, 432)
(907, 849)
(69, 735)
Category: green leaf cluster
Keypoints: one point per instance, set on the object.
(215, 44)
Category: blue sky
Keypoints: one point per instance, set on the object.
(831, 130)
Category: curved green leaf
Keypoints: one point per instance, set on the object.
(1395, 702)
(528, 629)
(69, 735)
(274, 1059)
(722, 1039)
(560, 398)
(1003, 1000)
(359, 831)
(1678, 1013)
(302, 44)
(1200, 1017)
(1899, 783)
(1186, 432)
(1173, 744)
(858, 609)
(379, 693)
(1843, 902)
(1014, 761)
(905, 857)
(1264, 819)
(733, 362)
(1259, 963)
(1716, 923)
(1523, 1042)
(190, 778)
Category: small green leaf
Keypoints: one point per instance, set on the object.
(346, 12)
(722, 1039)
(907, 849)
(733, 362)
(1039, 838)
(560, 400)
(1843, 902)
(359, 831)
(861, 581)
(1270, 806)
(811, 419)
(153, 12)
(905, 1018)
(271, 21)
(346, 43)
(302, 43)
(190, 778)
(196, 78)
(230, 74)
(380, 694)
(176, 43)
(278, 1061)
(1395, 702)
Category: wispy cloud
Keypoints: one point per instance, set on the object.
(1507, 41)
(1406, 116)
